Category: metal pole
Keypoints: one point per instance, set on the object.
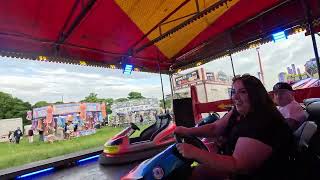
(310, 27)
(171, 85)
(164, 103)
(315, 49)
(261, 71)
(234, 74)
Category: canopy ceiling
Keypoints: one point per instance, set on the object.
(150, 34)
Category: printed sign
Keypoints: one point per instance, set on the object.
(66, 108)
(187, 78)
(40, 112)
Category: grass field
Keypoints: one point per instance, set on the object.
(18, 154)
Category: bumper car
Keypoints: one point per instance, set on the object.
(122, 149)
(168, 164)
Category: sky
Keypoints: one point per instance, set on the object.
(34, 81)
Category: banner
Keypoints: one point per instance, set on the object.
(49, 117)
(40, 112)
(93, 106)
(103, 110)
(29, 115)
(66, 108)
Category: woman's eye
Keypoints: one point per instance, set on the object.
(243, 92)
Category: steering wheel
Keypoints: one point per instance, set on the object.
(190, 140)
(134, 127)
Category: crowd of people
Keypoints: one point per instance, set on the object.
(257, 136)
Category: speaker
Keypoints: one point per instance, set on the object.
(183, 112)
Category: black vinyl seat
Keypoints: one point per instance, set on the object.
(306, 161)
(161, 123)
(313, 110)
(306, 102)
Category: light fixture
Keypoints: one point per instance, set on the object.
(127, 69)
(136, 69)
(88, 158)
(42, 58)
(279, 36)
(50, 169)
(83, 63)
(199, 64)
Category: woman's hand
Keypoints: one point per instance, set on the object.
(187, 150)
(181, 130)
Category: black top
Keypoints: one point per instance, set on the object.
(30, 132)
(17, 133)
(269, 129)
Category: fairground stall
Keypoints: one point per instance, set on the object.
(63, 121)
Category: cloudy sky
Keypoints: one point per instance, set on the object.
(34, 81)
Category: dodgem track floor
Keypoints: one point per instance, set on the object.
(90, 171)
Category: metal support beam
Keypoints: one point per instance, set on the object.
(307, 11)
(164, 103)
(197, 5)
(260, 65)
(76, 22)
(156, 26)
(171, 88)
(231, 60)
(183, 24)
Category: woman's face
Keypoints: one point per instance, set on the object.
(240, 97)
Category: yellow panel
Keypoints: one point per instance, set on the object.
(147, 13)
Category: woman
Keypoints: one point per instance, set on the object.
(257, 139)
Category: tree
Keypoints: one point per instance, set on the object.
(135, 95)
(168, 103)
(121, 100)
(40, 104)
(58, 102)
(93, 98)
(11, 107)
(108, 102)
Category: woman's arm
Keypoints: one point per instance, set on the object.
(242, 161)
(208, 130)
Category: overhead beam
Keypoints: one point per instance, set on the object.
(76, 22)
(157, 25)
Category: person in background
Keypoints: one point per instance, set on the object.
(40, 129)
(141, 119)
(290, 109)
(17, 135)
(10, 136)
(30, 135)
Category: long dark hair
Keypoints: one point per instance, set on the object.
(260, 101)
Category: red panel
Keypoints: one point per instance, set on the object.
(106, 27)
(86, 55)
(301, 94)
(152, 52)
(34, 18)
(24, 46)
(241, 11)
(283, 16)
